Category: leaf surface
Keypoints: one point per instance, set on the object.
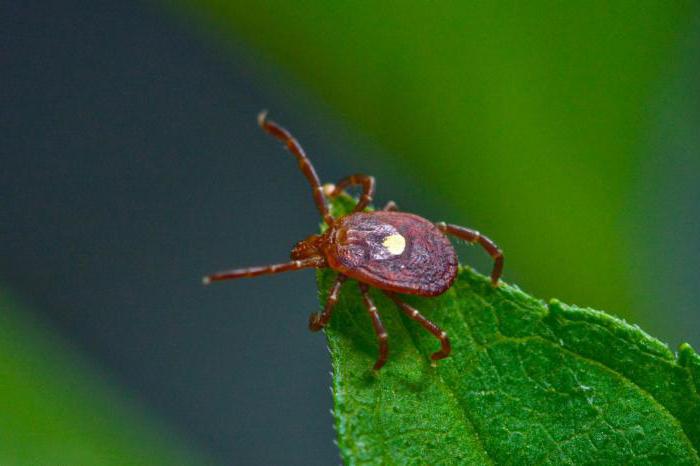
(526, 383)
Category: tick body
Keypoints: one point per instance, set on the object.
(396, 252)
(393, 251)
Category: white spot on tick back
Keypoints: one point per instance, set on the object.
(395, 244)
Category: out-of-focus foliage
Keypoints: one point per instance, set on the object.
(527, 118)
(55, 411)
(526, 383)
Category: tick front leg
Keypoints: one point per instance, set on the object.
(426, 324)
(319, 320)
(473, 236)
(367, 183)
(315, 262)
(304, 163)
(382, 337)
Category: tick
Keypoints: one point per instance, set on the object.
(396, 252)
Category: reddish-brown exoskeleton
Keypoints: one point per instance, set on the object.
(394, 251)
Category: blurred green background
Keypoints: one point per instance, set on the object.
(133, 165)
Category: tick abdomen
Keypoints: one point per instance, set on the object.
(394, 251)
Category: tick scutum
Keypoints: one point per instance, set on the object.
(394, 251)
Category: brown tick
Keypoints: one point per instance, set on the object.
(394, 251)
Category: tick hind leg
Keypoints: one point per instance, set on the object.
(382, 337)
(319, 320)
(367, 183)
(473, 236)
(426, 324)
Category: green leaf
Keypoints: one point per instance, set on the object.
(526, 383)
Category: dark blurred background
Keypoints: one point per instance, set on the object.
(132, 165)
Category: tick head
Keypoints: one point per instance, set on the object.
(309, 247)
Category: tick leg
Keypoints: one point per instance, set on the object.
(473, 236)
(304, 163)
(382, 337)
(426, 324)
(319, 320)
(391, 207)
(312, 262)
(367, 183)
